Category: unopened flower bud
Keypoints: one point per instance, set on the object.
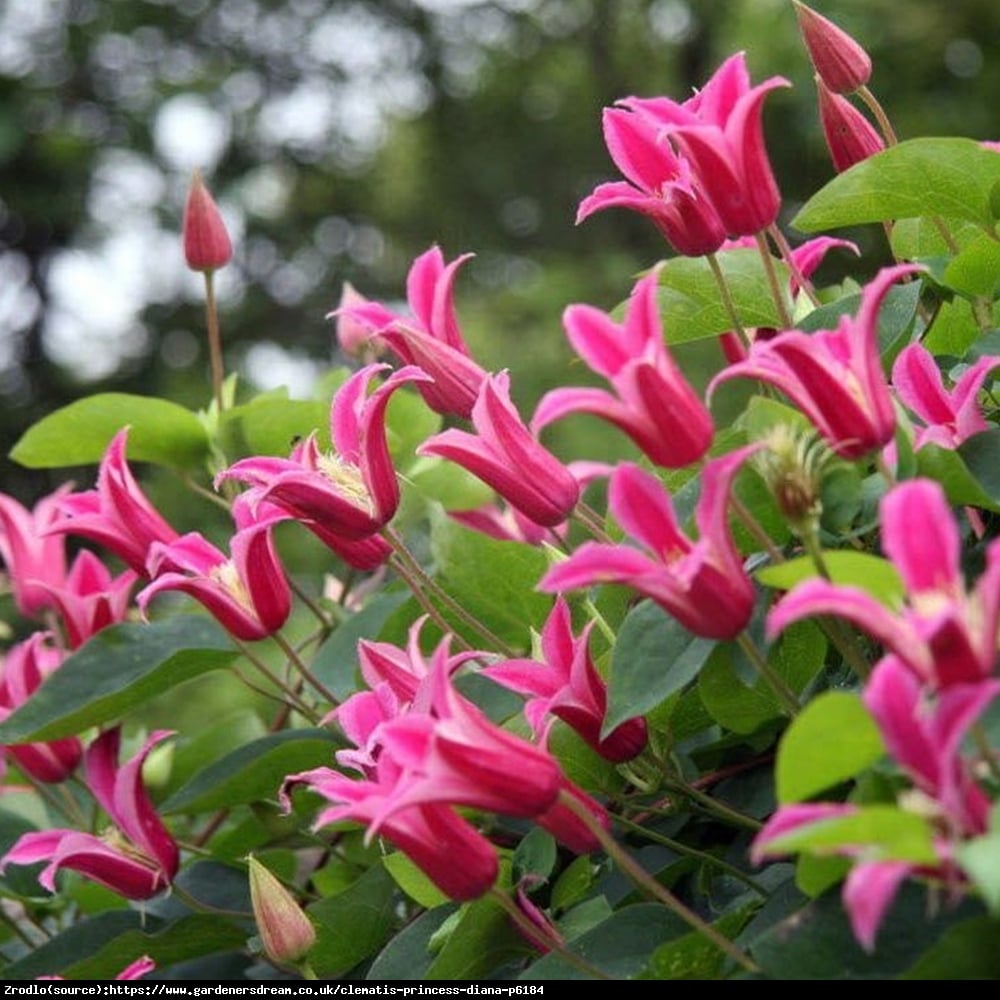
(207, 246)
(850, 137)
(842, 64)
(792, 465)
(285, 931)
(356, 339)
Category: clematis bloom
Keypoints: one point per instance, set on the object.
(138, 859)
(700, 583)
(834, 376)
(652, 401)
(945, 634)
(351, 493)
(432, 340)
(504, 454)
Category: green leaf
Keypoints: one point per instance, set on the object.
(653, 657)
(941, 176)
(78, 434)
(875, 575)
(271, 424)
(254, 771)
(980, 859)
(574, 883)
(981, 454)
(118, 669)
(693, 956)
(449, 484)
(482, 939)
(954, 330)
(815, 873)
(689, 298)
(975, 270)
(493, 580)
(952, 470)
(535, 855)
(620, 946)
(413, 881)
(964, 951)
(408, 955)
(409, 422)
(831, 740)
(352, 925)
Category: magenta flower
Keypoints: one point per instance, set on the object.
(945, 634)
(138, 859)
(565, 684)
(840, 61)
(700, 583)
(652, 401)
(117, 514)
(91, 599)
(248, 594)
(504, 454)
(25, 667)
(206, 242)
(34, 557)
(720, 132)
(850, 137)
(834, 376)
(351, 493)
(949, 417)
(659, 184)
(432, 339)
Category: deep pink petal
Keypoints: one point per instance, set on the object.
(868, 893)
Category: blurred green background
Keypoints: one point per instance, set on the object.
(344, 137)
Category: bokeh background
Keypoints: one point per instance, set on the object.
(344, 137)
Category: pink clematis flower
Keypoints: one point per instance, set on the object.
(565, 684)
(652, 401)
(720, 132)
(25, 667)
(659, 184)
(507, 456)
(949, 417)
(924, 736)
(850, 137)
(138, 859)
(945, 634)
(35, 559)
(117, 514)
(834, 376)
(352, 493)
(432, 339)
(702, 584)
(248, 594)
(91, 598)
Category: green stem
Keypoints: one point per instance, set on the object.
(773, 283)
(591, 521)
(644, 881)
(776, 682)
(885, 126)
(886, 473)
(199, 906)
(713, 807)
(321, 616)
(287, 691)
(756, 529)
(727, 298)
(786, 255)
(304, 671)
(214, 339)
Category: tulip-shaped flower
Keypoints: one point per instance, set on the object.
(353, 492)
(949, 417)
(720, 132)
(25, 667)
(504, 454)
(285, 931)
(924, 737)
(652, 401)
(248, 594)
(206, 242)
(840, 62)
(91, 599)
(34, 557)
(834, 376)
(945, 634)
(659, 184)
(116, 515)
(138, 858)
(850, 137)
(700, 583)
(432, 339)
(565, 684)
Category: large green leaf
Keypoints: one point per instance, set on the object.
(954, 178)
(408, 955)
(975, 270)
(271, 424)
(831, 740)
(690, 302)
(966, 950)
(877, 576)
(118, 669)
(254, 772)
(79, 433)
(969, 474)
(483, 939)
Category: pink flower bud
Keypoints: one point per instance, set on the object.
(840, 61)
(206, 243)
(285, 931)
(850, 137)
(356, 339)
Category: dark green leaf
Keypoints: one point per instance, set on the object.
(693, 956)
(78, 434)
(118, 669)
(967, 950)
(653, 657)
(254, 771)
(408, 954)
(952, 470)
(947, 177)
(483, 939)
